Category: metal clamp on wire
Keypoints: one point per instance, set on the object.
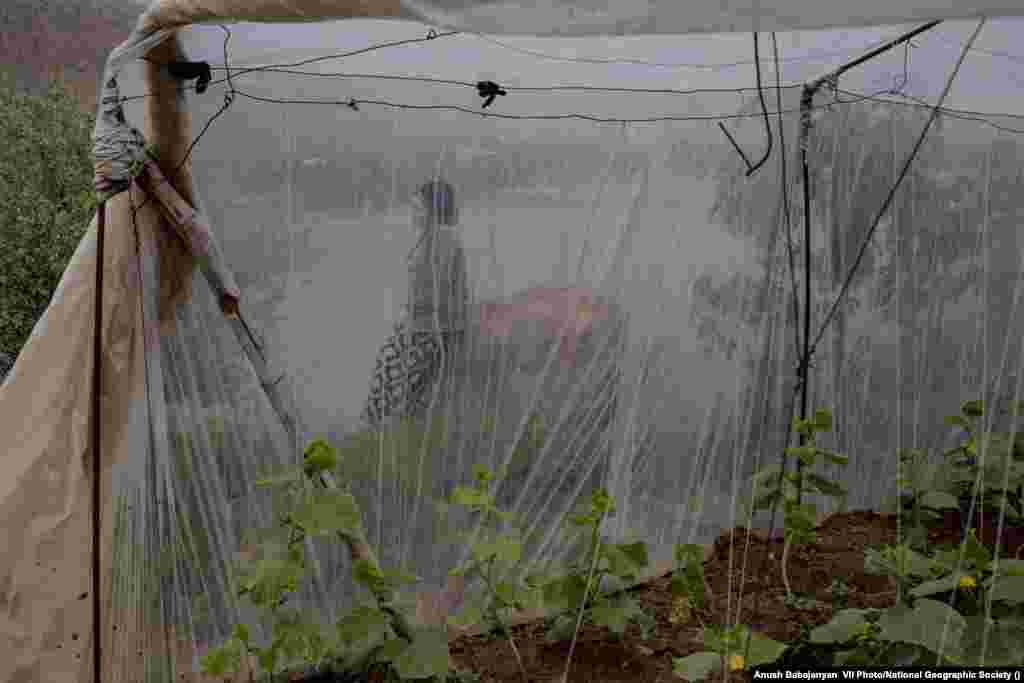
(187, 71)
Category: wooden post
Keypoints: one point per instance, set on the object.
(97, 355)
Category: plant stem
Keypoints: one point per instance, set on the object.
(359, 549)
(595, 541)
(489, 580)
(785, 575)
(512, 643)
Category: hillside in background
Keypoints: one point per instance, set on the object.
(69, 39)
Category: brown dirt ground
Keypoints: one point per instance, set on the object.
(745, 585)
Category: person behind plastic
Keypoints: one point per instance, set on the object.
(426, 342)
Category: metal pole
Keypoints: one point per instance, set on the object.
(96, 419)
(806, 104)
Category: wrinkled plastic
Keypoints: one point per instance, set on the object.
(631, 326)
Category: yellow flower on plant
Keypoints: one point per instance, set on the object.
(585, 314)
(681, 611)
(968, 583)
(736, 663)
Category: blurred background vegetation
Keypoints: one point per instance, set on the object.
(51, 56)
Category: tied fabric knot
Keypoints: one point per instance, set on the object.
(118, 147)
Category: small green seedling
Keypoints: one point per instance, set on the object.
(772, 485)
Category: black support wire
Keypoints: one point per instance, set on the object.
(753, 168)
(935, 111)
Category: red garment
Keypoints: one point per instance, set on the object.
(568, 313)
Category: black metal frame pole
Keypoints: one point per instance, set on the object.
(806, 104)
(96, 420)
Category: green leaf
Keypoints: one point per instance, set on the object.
(1011, 567)
(329, 512)
(392, 649)
(217, 429)
(370, 575)
(625, 559)
(471, 497)
(561, 629)
(764, 651)
(1007, 588)
(488, 424)
(471, 615)
(688, 554)
(923, 625)
(367, 573)
(825, 486)
(183, 457)
(1003, 646)
(695, 504)
(282, 477)
(802, 426)
(268, 658)
(975, 552)
(943, 585)
(482, 475)
(506, 592)
(566, 592)
(725, 640)
(532, 598)
(806, 454)
(242, 633)
(224, 660)
(844, 627)
(503, 549)
(616, 617)
(973, 408)
(363, 624)
(766, 476)
(765, 501)
(939, 500)
(698, 666)
(822, 420)
(269, 579)
(834, 458)
(426, 656)
(896, 561)
(320, 456)
(957, 421)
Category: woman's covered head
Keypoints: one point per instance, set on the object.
(436, 198)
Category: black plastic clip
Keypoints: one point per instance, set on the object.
(489, 90)
(186, 71)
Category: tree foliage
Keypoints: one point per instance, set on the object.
(46, 175)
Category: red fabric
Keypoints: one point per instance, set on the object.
(567, 312)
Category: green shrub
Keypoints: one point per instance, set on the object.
(46, 200)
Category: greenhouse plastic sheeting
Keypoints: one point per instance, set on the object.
(584, 17)
(632, 322)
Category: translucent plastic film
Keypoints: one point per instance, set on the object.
(574, 304)
(582, 17)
